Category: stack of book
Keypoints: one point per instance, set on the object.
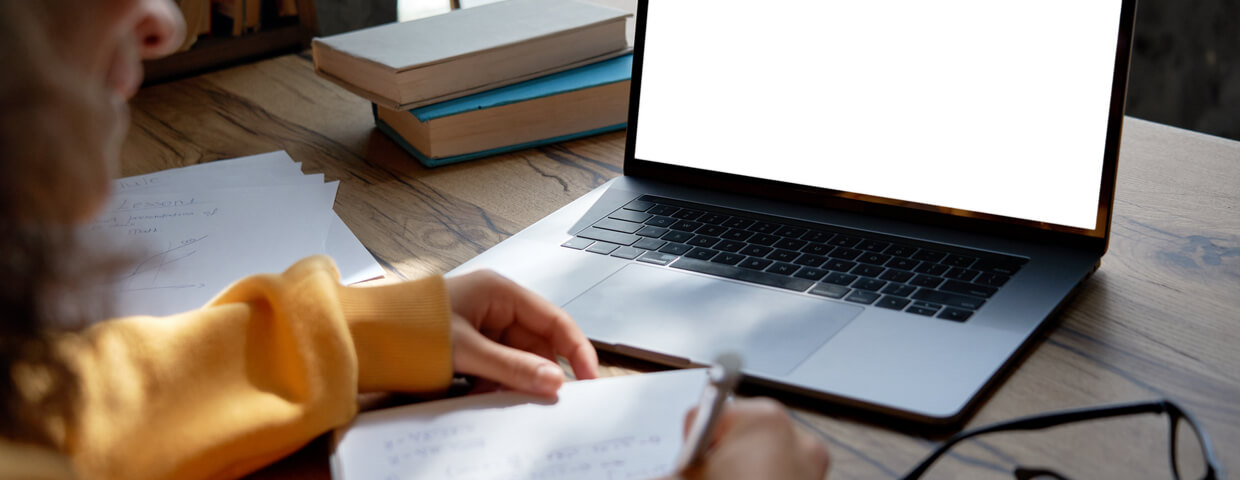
(489, 79)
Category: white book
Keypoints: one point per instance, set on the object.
(414, 63)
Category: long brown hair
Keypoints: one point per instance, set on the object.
(49, 277)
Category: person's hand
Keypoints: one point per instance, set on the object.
(755, 438)
(507, 334)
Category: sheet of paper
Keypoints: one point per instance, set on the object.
(355, 262)
(193, 244)
(612, 428)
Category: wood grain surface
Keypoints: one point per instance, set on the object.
(1161, 318)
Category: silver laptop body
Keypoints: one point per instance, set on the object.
(896, 143)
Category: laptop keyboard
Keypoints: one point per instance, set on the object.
(920, 278)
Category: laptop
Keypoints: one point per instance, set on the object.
(877, 204)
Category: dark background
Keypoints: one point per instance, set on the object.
(1185, 68)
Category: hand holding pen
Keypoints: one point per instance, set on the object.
(749, 438)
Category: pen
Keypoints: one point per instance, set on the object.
(724, 374)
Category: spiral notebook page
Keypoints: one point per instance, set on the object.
(612, 428)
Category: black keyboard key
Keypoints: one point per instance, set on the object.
(652, 232)
(657, 258)
(649, 243)
(817, 236)
(603, 248)
(703, 241)
(728, 258)
(783, 255)
(922, 311)
(780, 268)
(713, 218)
(992, 279)
(702, 253)
(929, 268)
(962, 274)
(764, 227)
(872, 284)
(678, 237)
(686, 226)
(639, 205)
(737, 234)
(962, 261)
(791, 232)
(897, 275)
(618, 225)
(899, 289)
(903, 251)
(755, 263)
(873, 258)
(830, 291)
(630, 216)
(840, 278)
(764, 239)
(873, 245)
(926, 281)
(927, 255)
(844, 241)
(627, 253)
(738, 222)
(838, 265)
(845, 253)
(662, 222)
(955, 315)
(810, 260)
(868, 270)
(902, 263)
(932, 306)
(894, 303)
(1005, 266)
(730, 246)
(962, 301)
(790, 244)
(601, 235)
(968, 288)
(712, 230)
(756, 250)
(662, 210)
(817, 248)
(744, 275)
(676, 248)
(810, 273)
(577, 243)
(862, 296)
(688, 214)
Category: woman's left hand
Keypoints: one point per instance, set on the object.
(507, 334)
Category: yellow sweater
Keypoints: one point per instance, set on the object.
(265, 367)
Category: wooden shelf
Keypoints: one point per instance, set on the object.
(218, 50)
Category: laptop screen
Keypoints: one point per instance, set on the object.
(992, 107)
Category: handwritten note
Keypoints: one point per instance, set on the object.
(201, 228)
(616, 428)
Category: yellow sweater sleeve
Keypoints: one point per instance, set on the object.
(265, 367)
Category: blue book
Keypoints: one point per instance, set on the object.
(571, 104)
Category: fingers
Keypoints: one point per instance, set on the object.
(474, 354)
(493, 303)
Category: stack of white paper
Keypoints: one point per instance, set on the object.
(205, 226)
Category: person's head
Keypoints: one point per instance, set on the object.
(70, 66)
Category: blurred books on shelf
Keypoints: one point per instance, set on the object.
(430, 60)
(569, 104)
(225, 32)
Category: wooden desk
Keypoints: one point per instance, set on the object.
(1161, 318)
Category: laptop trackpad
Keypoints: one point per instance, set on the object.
(688, 315)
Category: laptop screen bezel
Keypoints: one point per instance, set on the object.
(1092, 239)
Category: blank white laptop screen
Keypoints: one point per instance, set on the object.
(993, 106)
